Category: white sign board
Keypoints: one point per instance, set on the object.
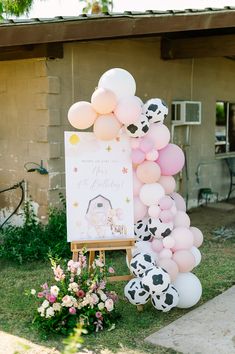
(99, 187)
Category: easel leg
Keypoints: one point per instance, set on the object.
(75, 256)
(91, 258)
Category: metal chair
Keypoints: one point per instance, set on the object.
(231, 166)
(206, 195)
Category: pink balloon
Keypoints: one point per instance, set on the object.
(151, 193)
(171, 160)
(183, 238)
(157, 245)
(166, 216)
(197, 236)
(81, 115)
(106, 127)
(128, 110)
(137, 156)
(168, 183)
(152, 155)
(181, 219)
(159, 134)
(185, 260)
(165, 202)
(103, 101)
(154, 211)
(135, 143)
(165, 253)
(140, 210)
(168, 242)
(170, 266)
(146, 145)
(148, 172)
(136, 185)
(179, 201)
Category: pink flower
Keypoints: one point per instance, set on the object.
(58, 273)
(40, 295)
(51, 298)
(111, 270)
(98, 315)
(109, 305)
(80, 293)
(72, 310)
(44, 286)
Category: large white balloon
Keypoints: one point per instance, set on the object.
(151, 193)
(120, 81)
(189, 289)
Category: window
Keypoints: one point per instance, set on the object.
(225, 127)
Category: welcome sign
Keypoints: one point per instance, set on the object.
(99, 187)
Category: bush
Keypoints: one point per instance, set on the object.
(33, 240)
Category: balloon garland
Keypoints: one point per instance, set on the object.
(167, 245)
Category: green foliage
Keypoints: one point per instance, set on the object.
(15, 7)
(74, 341)
(97, 6)
(220, 113)
(33, 240)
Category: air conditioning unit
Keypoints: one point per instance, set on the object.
(186, 112)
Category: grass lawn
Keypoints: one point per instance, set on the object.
(216, 272)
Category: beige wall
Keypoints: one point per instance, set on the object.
(35, 96)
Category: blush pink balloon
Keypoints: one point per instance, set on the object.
(151, 193)
(181, 219)
(81, 115)
(170, 266)
(106, 127)
(103, 101)
(128, 110)
(136, 185)
(168, 242)
(135, 143)
(140, 210)
(137, 156)
(197, 236)
(165, 202)
(156, 245)
(165, 253)
(154, 211)
(185, 260)
(168, 183)
(183, 238)
(146, 145)
(159, 134)
(148, 172)
(166, 216)
(152, 155)
(179, 201)
(171, 160)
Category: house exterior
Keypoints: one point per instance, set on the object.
(48, 64)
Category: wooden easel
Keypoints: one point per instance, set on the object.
(101, 246)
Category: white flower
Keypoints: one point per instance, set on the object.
(98, 263)
(109, 305)
(56, 306)
(73, 287)
(102, 295)
(95, 298)
(45, 304)
(50, 312)
(54, 290)
(41, 309)
(101, 306)
(33, 291)
(69, 301)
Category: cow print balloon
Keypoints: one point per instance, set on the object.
(156, 280)
(156, 110)
(141, 230)
(140, 263)
(135, 293)
(159, 229)
(167, 300)
(139, 128)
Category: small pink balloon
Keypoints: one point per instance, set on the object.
(103, 101)
(165, 253)
(165, 202)
(171, 160)
(152, 155)
(166, 216)
(197, 236)
(135, 143)
(106, 127)
(168, 183)
(181, 219)
(154, 211)
(157, 245)
(136, 185)
(185, 260)
(159, 134)
(148, 172)
(179, 201)
(140, 210)
(168, 242)
(170, 266)
(128, 110)
(146, 145)
(183, 238)
(81, 115)
(137, 156)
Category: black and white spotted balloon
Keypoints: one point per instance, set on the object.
(140, 263)
(141, 230)
(167, 300)
(159, 229)
(139, 128)
(135, 293)
(156, 280)
(156, 110)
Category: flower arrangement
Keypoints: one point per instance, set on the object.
(78, 296)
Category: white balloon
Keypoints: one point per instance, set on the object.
(120, 81)
(189, 288)
(197, 254)
(135, 292)
(151, 193)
